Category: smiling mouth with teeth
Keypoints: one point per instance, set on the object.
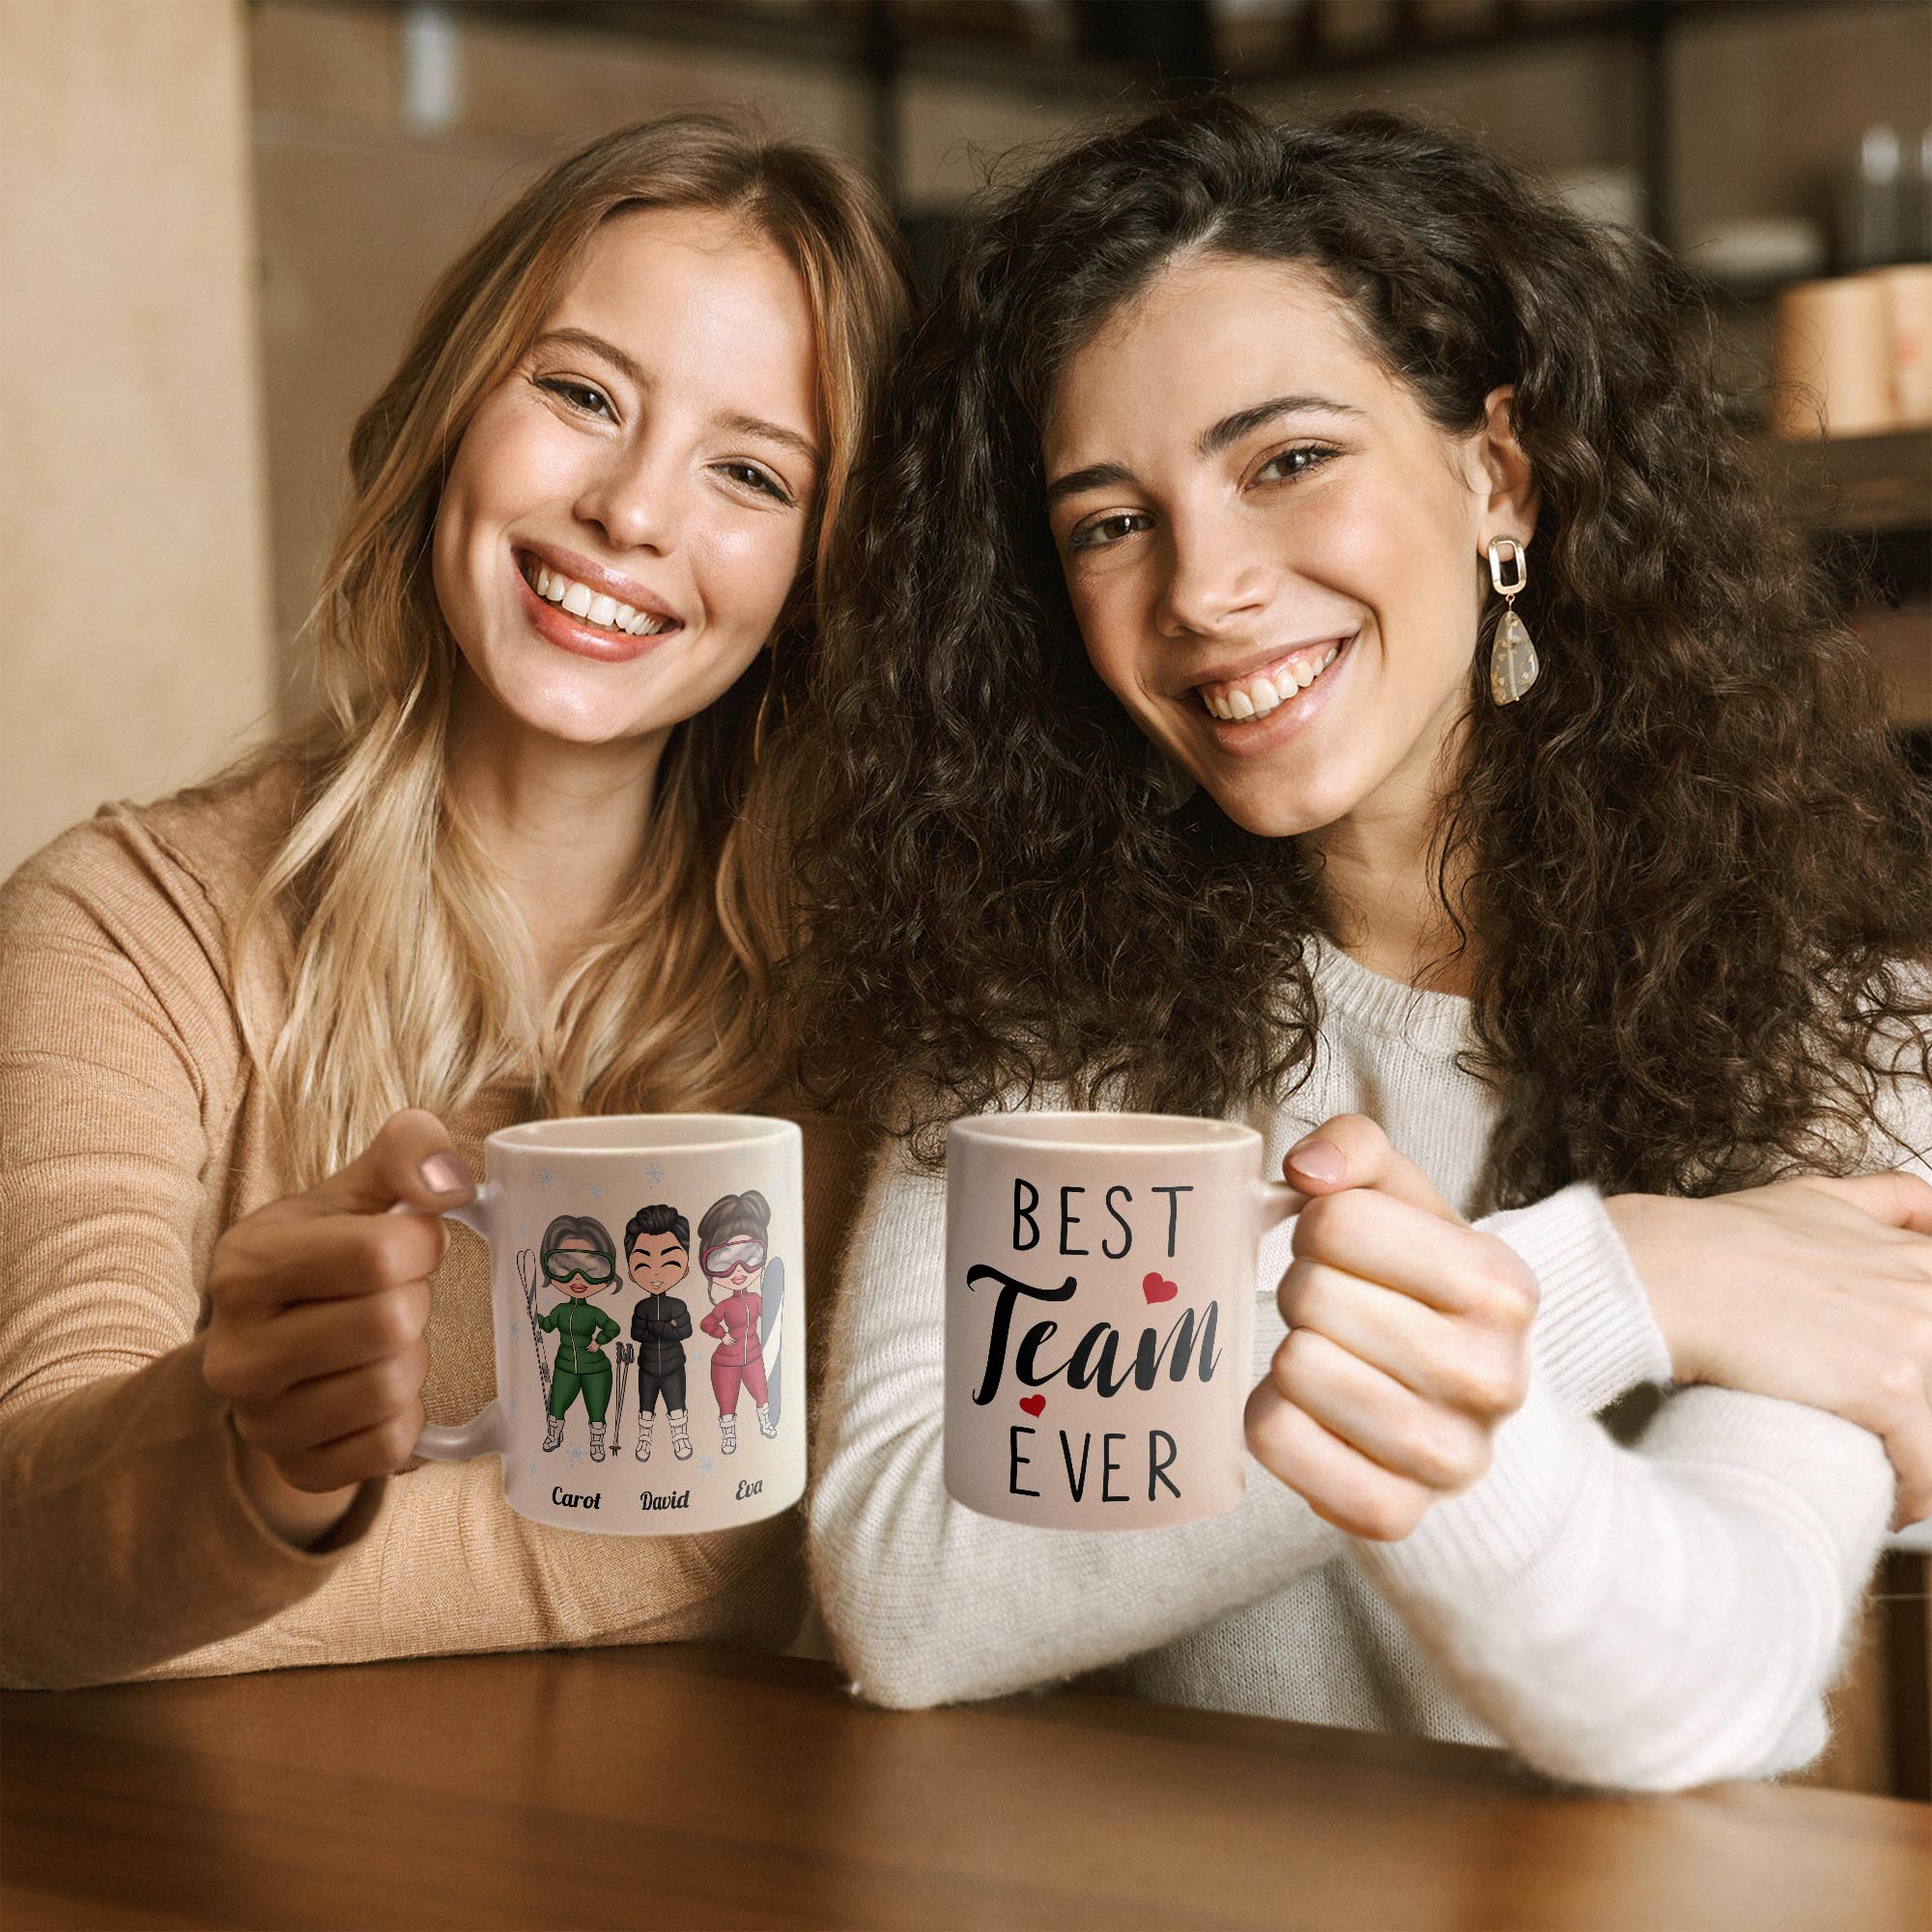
(1243, 699)
(593, 606)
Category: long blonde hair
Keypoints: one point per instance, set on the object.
(412, 981)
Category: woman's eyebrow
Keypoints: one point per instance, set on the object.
(581, 338)
(1258, 415)
(632, 371)
(1230, 429)
(771, 431)
(1095, 476)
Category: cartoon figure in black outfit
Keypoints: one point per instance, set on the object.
(656, 1251)
(578, 1257)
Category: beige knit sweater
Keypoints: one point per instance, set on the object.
(134, 1130)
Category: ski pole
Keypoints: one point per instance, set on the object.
(626, 1355)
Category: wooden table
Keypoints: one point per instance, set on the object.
(687, 1787)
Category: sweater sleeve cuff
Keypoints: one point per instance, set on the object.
(130, 1538)
(355, 1523)
(1542, 1470)
(1595, 1337)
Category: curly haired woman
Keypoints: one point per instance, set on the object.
(522, 867)
(1318, 655)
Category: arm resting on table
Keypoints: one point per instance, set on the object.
(1654, 1618)
(1659, 1617)
(131, 1547)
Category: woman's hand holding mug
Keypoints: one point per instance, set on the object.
(1812, 1288)
(1407, 1345)
(318, 1304)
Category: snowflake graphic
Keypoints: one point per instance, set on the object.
(656, 1174)
(532, 1465)
(596, 1194)
(545, 1178)
(706, 1463)
(574, 1455)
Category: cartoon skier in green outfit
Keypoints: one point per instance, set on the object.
(580, 1258)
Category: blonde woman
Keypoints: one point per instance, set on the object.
(523, 868)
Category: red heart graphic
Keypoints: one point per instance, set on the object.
(1157, 1288)
(1033, 1404)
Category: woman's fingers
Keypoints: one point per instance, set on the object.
(251, 1362)
(1484, 1375)
(263, 1265)
(314, 1413)
(1898, 1199)
(1441, 1448)
(379, 1450)
(1889, 1391)
(411, 1160)
(1350, 1150)
(1815, 1290)
(1448, 1264)
(318, 1305)
(1407, 1343)
(1340, 1484)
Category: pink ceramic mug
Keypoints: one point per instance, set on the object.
(1100, 1282)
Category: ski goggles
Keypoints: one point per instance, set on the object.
(559, 1264)
(744, 1253)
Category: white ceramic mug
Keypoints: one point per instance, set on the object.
(647, 1286)
(1099, 1315)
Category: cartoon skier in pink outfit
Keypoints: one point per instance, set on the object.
(732, 1253)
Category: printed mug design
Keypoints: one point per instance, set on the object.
(1028, 1344)
(588, 1362)
(627, 1402)
(1102, 1273)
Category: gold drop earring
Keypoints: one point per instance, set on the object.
(1513, 661)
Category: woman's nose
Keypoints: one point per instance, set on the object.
(1216, 578)
(636, 499)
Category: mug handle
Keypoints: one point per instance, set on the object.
(483, 1433)
(1275, 1202)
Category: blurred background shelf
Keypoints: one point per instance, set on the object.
(1130, 52)
(1868, 500)
(1861, 484)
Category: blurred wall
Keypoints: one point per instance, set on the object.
(131, 525)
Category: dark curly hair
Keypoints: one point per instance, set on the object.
(1697, 884)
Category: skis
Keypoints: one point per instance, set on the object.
(527, 1273)
(626, 1355)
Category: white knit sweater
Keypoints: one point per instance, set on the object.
(1648, 1618)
